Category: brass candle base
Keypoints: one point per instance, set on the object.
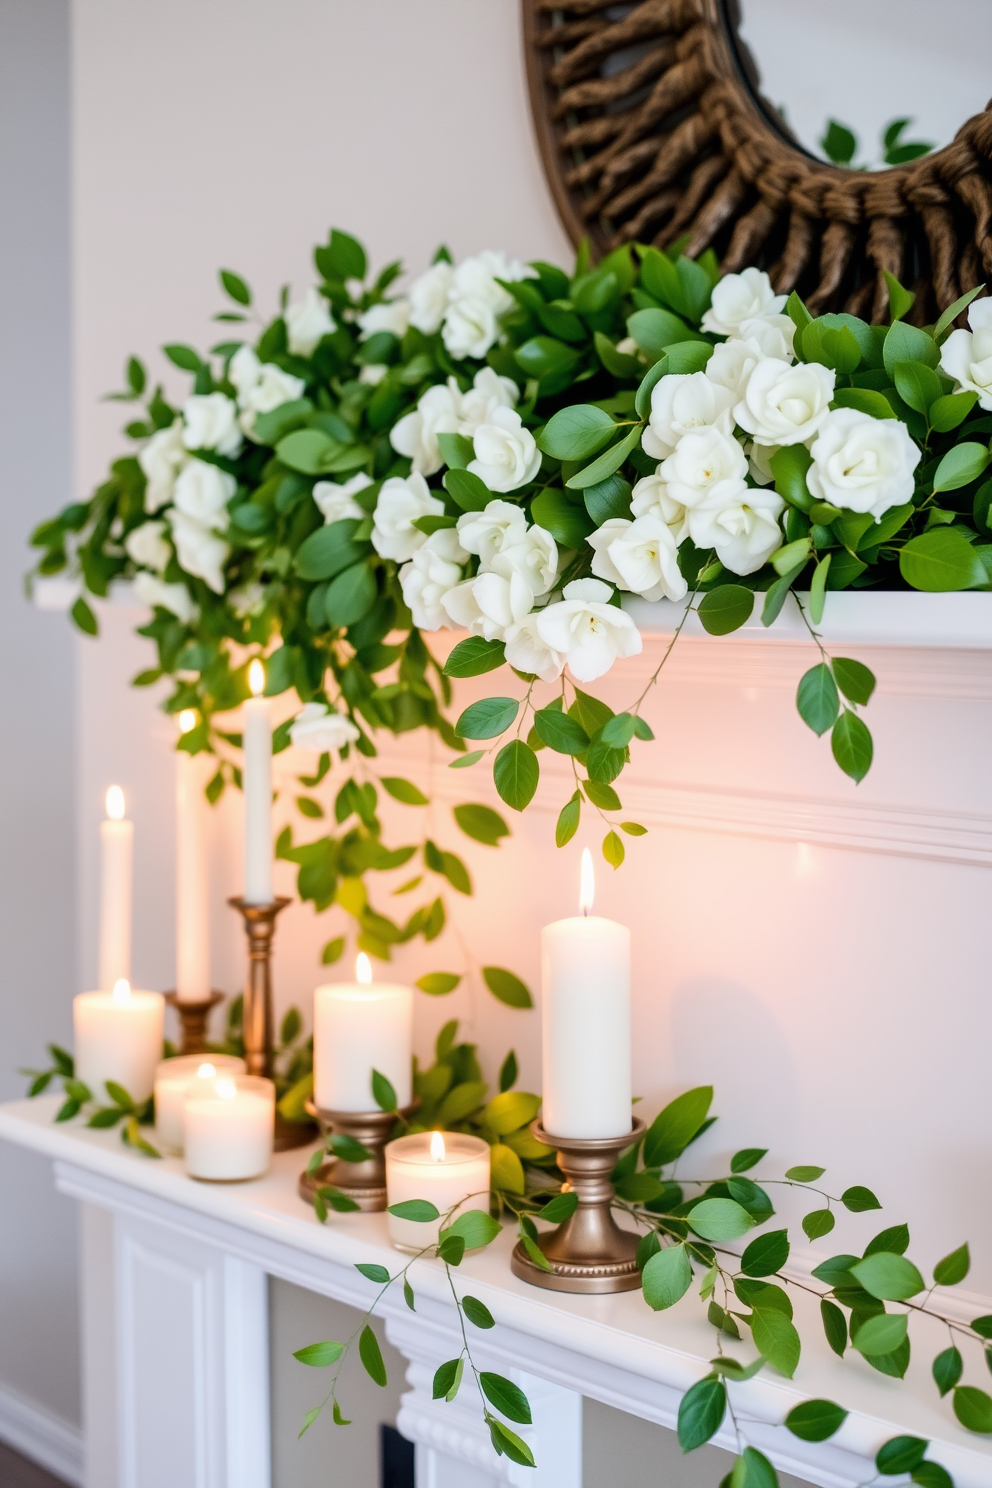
(364, 1181)
(589, 1252)
(193, 1020)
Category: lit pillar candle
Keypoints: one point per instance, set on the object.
(450, 1169)
(192, 888)
(116, 877)
(257, 782)
(585, 1021)
(359, 1027)
(118, 1036)
(228, 1127)
(173, 1078)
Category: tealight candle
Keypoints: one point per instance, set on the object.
(585, 1020)
(448, 1168)
(359, 1027)
(257, 739)
(118, 1036)
(192, 885)
(228, 1127)
(116, 887)
(173, 1078)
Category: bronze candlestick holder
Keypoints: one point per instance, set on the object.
(193, 1020)
(589, 1252)
(363, 1180)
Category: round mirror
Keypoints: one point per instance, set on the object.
(871, 83)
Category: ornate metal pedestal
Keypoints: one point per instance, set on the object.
(364, 1181)
(193, 1020)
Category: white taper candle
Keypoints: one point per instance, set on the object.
(116, 888)
(258, 790)
(192, 872)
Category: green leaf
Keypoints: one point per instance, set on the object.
(403, 790)
(235, 287)
(346, 256)
(319, 1355)
(472, 657)
(917, 385)
(613, 849)
(904, 343)
(607, 462)
(438, 983)
(516, 773)
(545, 357)
(509, 1111)
(881, 1334)
(506, 987)
(633, 829)
(447, 1378)
(608, 499)
(568, 820)
(932, 1475)
(508, 1444)
(776, 596)
(834, 1326)
(865, 400)
(815, 1420)
(953, 1268)
(508, 1072)
(481, 823)
(576, 432)
(656, 330)
(667, 1277)
(838, 143)
(475, 1227)
(465, 760)
(817, 699)
(560, 731)
(477, 1313)
(309, 1419)
(776, 1339)
(560, 1208)
(948, 1368)
(891, 1278)
(373, 1272)
(420, 1211)
(953, 311)
(568, 524)
(973, 1409)
(854, 679)
(642, 398)
(820, 1222)
(674, 1127)
(408, 1296)
(941, 560)
(764, 1296)
(183, 357)
(456, 450)
(84, 618)
(804, 1174)
(960, 466)
(701, 1412)
(382, 1092)
(488, 718)
(752, 1469)
(851, 743)
(859, 1199)
(951, 410)
(332, 951)
(350, 596)
(901, 300)
(468, 491)
(307, 450)
(766, 1254)
(507, 1397)
(719, 1220)
(371, 1356)
(725, 609)
(980, 1325)
(603, 796)
(789, 467)
(900, 1454)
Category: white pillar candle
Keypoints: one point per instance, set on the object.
(192, 888)
(228, 1127)
(359, 1027)
(450, 1169)
(118, 1036)
(116, 878)
(173, 1078)
(585, 1021)
(257, 783)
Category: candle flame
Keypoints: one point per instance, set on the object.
(206, 1072)
(226, 1089)
(438, 1153)
(256, 678)
(115, 803)
(122, 992)
(187, 720)
(587, 882)
(363, 969)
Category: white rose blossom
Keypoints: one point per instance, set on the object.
(785, 405)
(638, 556)
(759, 462)
(391, 315)
(415, 435)
(501, 530)
(161, 459)
(211, 422)
(487, 393)
(652, 498)
(261, 386)
(308, 321)
(176, 598)
(588, 631)
(336, 502)
(433, 571)
(743, 529)
(248, 600)
(146, 545)
(506, 454)
(967, 355)
(496, 599)
(528, 652)
(321, 728)
(705, 462)
(740, 297)
(682, 402)
(372, 373)
(202, 492)
(863, 464)
(399, 504)
(772, 335)
(199, 550)
(429, 297)
(475, 302)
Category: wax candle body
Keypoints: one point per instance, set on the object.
(358, 1028)
(192, 888)
(173, 1078)
(116, 879)
(258, 801)
(228, 1127)
(585, 1018)
(118, 1040)
(461, 1175)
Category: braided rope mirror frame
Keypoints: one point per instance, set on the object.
(653, 129)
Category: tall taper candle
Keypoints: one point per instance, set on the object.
(258, 790)
(192, 887)
(116, 876)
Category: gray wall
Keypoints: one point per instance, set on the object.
(37, 780)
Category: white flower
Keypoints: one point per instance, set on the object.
(652, 498)
(400, 503)
(161, 459)
(248, 600)
(773, 335)
(681, 402)
(202, 492)
(741, 297)
(147, 546)
(703, 463)
(175, 598)
(492, 602)
(487, 393)
(506, 454)
(488, 532)
(392, 315)
(429, 297)
(372, 373)
(308, 321)
(261, 386)
(731, 365)
(476, 301)
(629, 347)
(743, 529)
(638, 556)
(759, 462)
(967, 355)
(526, 650)
(244, 370)
(199, 550)
(415, 435)
(338, 501)
(588, 631)
(321, 728)
(861, 463)
(433, 571)
(535, 557)
(211, 421)
(783, 404)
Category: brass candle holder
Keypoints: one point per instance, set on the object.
(589, 1252)
(193, 1020)
(363, 1180)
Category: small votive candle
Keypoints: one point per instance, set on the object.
(173, 1078)
(118, 1036)
(228, 1126)
(448, 1168)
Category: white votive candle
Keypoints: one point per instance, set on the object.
(118, 1036)
(116, 881)
(585, 1021)
(192, 886)
(257, 783)
(450, 1169)
(228, 1127)
(173, 1078)
(359, 1027)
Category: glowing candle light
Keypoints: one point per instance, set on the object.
(173, 1078)
(192, 886)
(450, 1169)
(257, 784)
(359, 1027)
(228, 1127)
(116, 878)
(118, 1037)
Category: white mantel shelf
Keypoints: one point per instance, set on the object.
(613, 1349)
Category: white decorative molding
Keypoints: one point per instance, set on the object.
(54, 1443)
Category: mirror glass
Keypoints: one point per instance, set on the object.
(843, 74)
